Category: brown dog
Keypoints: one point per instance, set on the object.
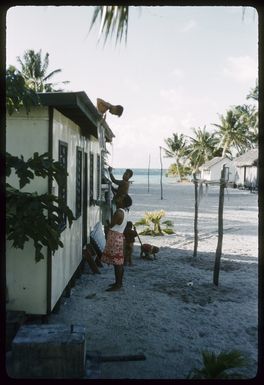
(148, 250)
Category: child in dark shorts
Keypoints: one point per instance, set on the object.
(130, 235)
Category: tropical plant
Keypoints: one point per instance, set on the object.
(152, 222)
(30, 215)
(219, 366)
(254, 93)
(17, 94)
(112, 17)
(173, 170)
(34, 71)
(232, 132)
(176, 148)
(202, 147)
(247, 117)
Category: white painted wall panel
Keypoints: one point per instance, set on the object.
(66, 259)
(26, 280)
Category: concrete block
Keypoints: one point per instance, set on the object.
(14, 319)
(49, 351)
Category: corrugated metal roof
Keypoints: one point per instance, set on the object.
(250, 158)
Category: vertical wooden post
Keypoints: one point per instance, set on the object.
(220, 228)
(161, 187)
(148, 171)
(195, 215)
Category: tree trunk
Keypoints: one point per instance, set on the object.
(220, 228)
(178, 168)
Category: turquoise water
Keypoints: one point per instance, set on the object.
(142, 176)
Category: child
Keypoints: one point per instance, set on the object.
(123, 184)
(130, 235)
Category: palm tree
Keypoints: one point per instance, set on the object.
(34, 71)
(232, 132)
(112, 17)
(253, 115)
(254, 93)
(17, 94)
(176, 149)
(202, 147)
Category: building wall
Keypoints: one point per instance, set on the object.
(246, 176)
(214, 173)
(94, 209)
(26, 280)
(65, 260)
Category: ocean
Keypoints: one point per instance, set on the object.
(145, 176)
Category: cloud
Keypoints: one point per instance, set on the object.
(189, 25)
(241, 69)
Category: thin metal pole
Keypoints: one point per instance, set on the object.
(148, 171)
(161, 188)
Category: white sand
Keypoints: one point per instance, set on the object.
(156, 313)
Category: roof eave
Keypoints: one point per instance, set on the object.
(76, 106)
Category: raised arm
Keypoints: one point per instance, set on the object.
(113, 179)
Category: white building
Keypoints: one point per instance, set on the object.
(247, 169)
(68, 127)
(211, 170)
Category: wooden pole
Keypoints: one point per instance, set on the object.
(195, 215)
(148, 171)
(220, 228)
(161, 188)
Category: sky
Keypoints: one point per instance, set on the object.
(180, 68)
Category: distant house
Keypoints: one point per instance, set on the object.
(211, 170)
(69, 127)
(247, 169)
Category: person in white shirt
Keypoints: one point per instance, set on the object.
(113, 253)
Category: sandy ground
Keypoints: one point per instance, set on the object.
(168, 309)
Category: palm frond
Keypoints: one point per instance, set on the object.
(112, 19)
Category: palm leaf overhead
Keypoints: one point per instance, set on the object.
(113, 18)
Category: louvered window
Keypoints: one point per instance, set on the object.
(98, 176)
(91, 177)
(78, 182)
(62, 193)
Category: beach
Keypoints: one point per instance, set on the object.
(169, 310)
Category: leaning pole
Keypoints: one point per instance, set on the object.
(220, 228)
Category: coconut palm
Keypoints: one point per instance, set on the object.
(34, 71)
(232, 132)
(17, 94)
(247, 116)
(176, 149)
(202, 147)
(111, 17)
(254, 93)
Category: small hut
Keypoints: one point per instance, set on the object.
(211, 171)
(247, 169)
